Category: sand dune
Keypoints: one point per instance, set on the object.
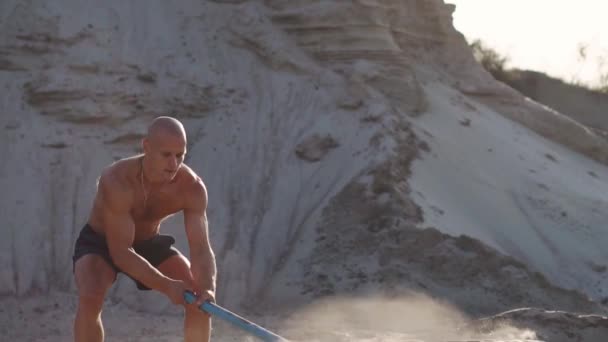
(368, 180)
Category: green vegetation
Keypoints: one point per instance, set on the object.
(495, 64)
(490, 59)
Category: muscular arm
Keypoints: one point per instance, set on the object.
(201, 254)
(120, 231)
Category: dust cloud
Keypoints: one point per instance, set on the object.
(413, 317)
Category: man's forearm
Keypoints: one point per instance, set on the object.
(204, 261)
(140, 269)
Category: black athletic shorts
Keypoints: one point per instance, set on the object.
(155, 250)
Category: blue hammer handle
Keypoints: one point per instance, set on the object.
(235, 319)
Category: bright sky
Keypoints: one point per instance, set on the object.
(542, 35)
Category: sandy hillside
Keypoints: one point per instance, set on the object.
(368, 180)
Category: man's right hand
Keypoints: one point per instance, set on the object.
(175, 291)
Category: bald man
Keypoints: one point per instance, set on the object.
(134, 195)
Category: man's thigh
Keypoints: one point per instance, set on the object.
(177, 267)
(94, 276)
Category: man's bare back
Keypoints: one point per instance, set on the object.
(134, 195)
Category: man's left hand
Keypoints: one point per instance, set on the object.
(203, 292)
(206, 295)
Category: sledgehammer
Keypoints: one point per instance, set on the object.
(240, 322)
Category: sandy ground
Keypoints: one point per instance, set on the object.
(49, 318)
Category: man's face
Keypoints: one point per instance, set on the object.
(166, 153)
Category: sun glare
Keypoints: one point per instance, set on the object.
(542, 35)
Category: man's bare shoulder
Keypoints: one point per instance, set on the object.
(120, 172)
(188, 175)
(116, 179)
(193, 188)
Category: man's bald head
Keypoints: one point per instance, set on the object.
(166, 125)
(164, 148)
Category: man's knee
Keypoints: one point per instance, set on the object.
(176, 267)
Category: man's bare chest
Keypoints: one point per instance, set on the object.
(156, 206)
